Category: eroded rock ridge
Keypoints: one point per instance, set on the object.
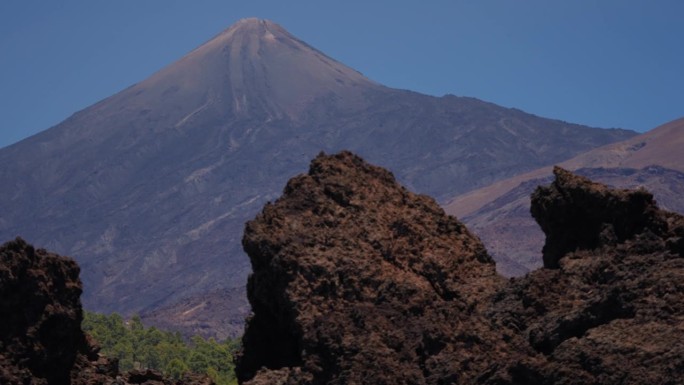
(358, 281)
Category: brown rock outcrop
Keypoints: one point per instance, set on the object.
(610, 310)
(41, 341)
(358, 281)
(41, 314)
(575, 213)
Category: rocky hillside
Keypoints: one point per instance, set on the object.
(357, 280)
(41, 341)
(149, 189)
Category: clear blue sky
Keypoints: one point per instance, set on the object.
(605, 63)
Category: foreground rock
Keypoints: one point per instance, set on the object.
(41, 341)
(356, 280)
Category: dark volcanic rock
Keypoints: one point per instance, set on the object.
(356, 280)
(611, 310)
(577, 214)
(41, 341)
(514, 239)
(41, 313)
(500, 213)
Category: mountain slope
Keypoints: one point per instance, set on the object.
(149, 189)
(500, 214)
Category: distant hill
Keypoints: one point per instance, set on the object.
(500, 213)
(150, 188)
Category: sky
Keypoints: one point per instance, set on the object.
(603, 63)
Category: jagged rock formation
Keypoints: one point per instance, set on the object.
(41, 341)
(40, 312)
(356, 280)
(500, 213)
(609, 309)
(515, 240)
(575, 214)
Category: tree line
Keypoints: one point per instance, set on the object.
(140, 347)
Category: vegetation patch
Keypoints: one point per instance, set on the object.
(140, 347)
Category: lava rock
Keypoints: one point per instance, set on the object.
(609, 307)
(41, 340)
(356, 280)
(576, 213)
(41, 313)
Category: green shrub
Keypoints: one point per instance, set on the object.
(139, 347)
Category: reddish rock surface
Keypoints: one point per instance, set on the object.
(575, 213)
(41, 341)
(358, 281)
(500, 213)
(610, 307)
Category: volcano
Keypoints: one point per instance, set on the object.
(150, 188)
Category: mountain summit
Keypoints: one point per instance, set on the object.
(256, 67)
(150, 188)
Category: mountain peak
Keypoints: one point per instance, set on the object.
(253, 22)
(248, 34)
(247, 21)
(257, 66)
(254, 28)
